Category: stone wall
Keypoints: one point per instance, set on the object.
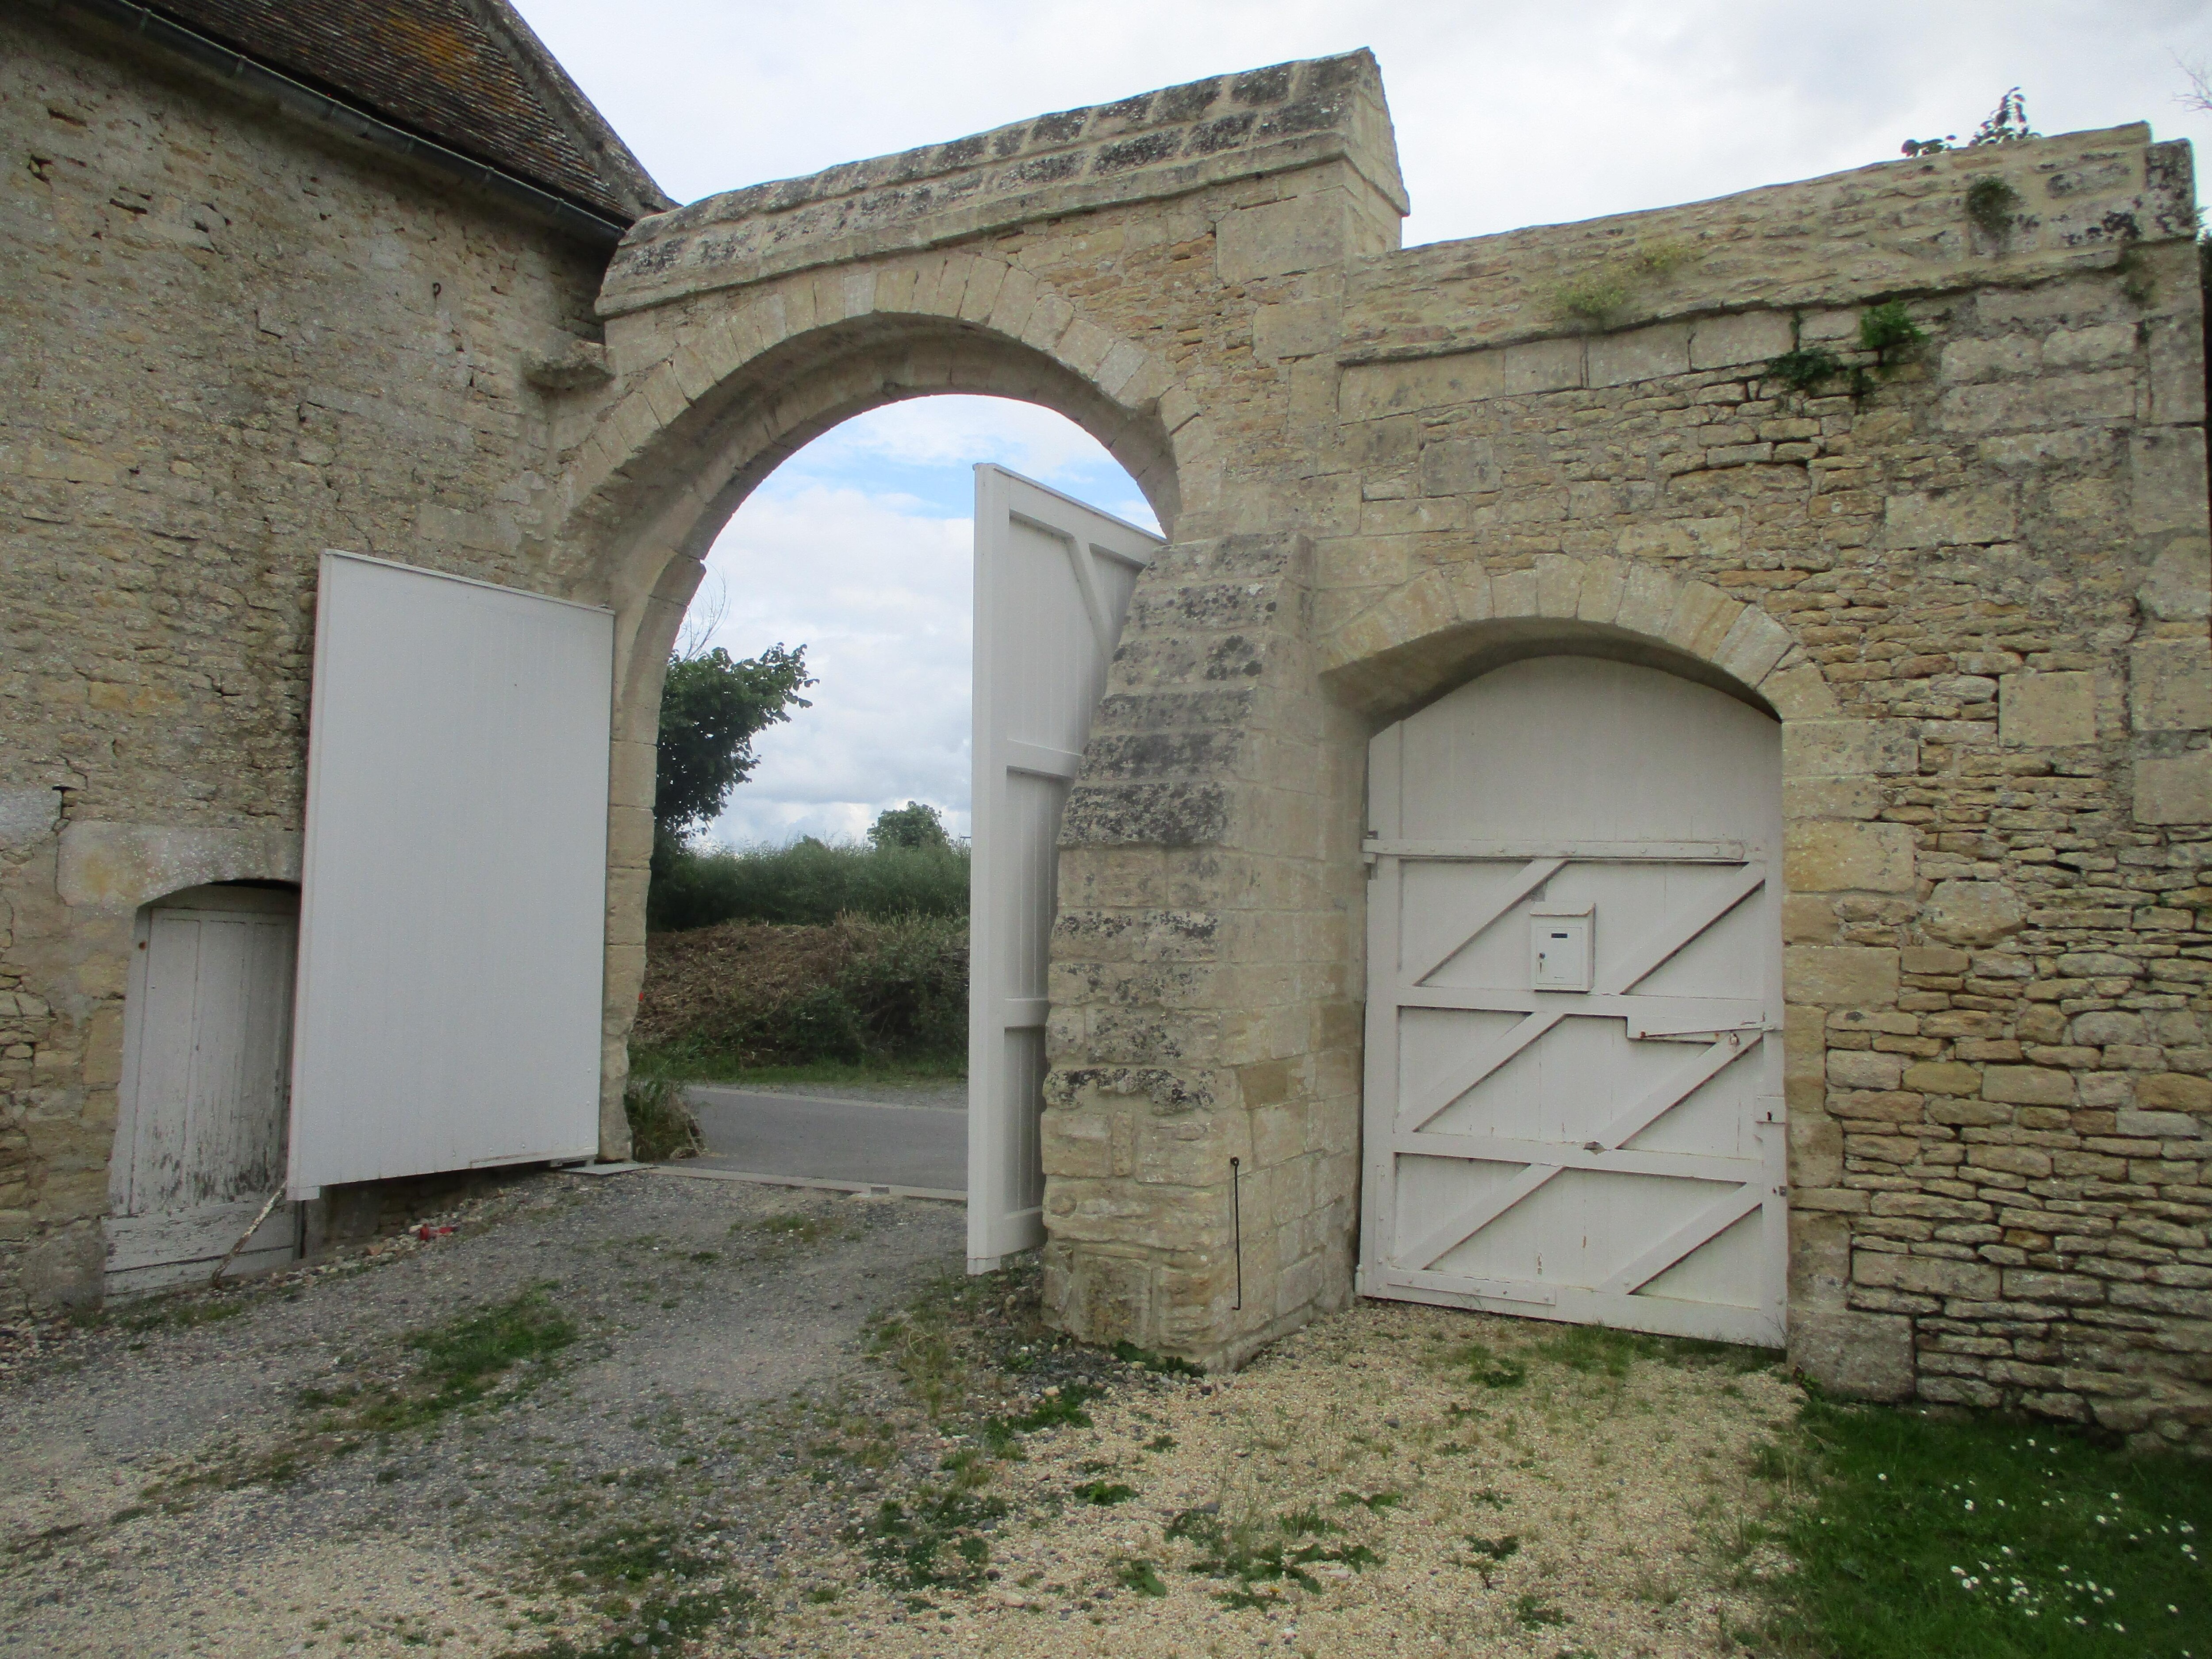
(229, 341)
(1971, 581)
(1969, 576)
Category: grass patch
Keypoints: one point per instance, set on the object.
(1980, 1539)
(1103, 1492)
(1166, 1364)
(649, 1581)
(1258, 1553)
(935, 1542)
(1491, 1370)
(661, 1126)
(458, 1364)
(184, 1316)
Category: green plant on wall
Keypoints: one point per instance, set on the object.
(1991, 203)
(1598, 294)
(1888, 331)
(1805, 369)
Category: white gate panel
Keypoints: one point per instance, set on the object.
(1612, 1153)
(1053, 583)
(452, 922)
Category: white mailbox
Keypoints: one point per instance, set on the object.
(1561, 941)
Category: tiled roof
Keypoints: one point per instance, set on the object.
(468, 74)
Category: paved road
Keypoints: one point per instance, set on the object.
(828, 1140)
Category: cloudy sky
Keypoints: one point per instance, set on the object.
(1507, 115)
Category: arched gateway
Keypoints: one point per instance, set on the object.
(1457, 502)
(1387, 475)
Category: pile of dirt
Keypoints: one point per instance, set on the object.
(770, 992)
(699, 978)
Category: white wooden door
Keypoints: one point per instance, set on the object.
(1610, 1154)
(207, 1030)
(452, 926)
(1052, 582)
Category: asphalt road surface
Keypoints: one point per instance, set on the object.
(824, 1139)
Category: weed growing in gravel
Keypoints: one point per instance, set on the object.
(184, 1316)
(1167, 1364)
(1979, 1539)
(460, 1363)
(1375, 1502)
(1532, 1612)
(654, 1586)
(1491, 1370)
(1103, 1492)
(1140, 1576)
(934, 1542)
(1254, 1551)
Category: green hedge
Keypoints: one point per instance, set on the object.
(808, 882)
(767, 994)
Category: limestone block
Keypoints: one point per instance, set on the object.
(122, 865)
(1647, 599)
(2178, 587)
(1604, 581)
(1749, 336)
(1924, 1275)
(1848, 857)
(1973, 913)
(2028, 1086)
(1754, 644)
(1539, 366)
(2175, 790)
(1857, 1356)
(1459, 466)
(2157, 1125)
(2167, 480)
(1642, 353)
(2047, 711)
(1943, 1077)
(1954, 518)
(1680, 538)
(1294, 329)
(1864, 1068)
(28, 815)
(1847, 749)
(1800, 693)
(1301, 233)
(1840, 975)
(2170, 685)
(2174, 1091)
(1832, 798)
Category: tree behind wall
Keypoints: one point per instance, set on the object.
(711, 708)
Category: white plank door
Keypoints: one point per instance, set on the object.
(1574, 1057)
(455, 878)
(207, 1030)
(1053, 583)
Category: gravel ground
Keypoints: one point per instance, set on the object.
(712, 1461)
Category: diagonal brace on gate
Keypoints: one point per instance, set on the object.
(1639, 964)
(1669, 1092)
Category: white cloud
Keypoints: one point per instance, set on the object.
(1507, 115)
(861, 547)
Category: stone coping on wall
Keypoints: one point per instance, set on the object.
(1157, 144)
(1893, 229)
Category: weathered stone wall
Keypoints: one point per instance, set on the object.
(1974, 589)
(1969, 579)
(228, 342)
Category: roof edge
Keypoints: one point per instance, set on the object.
(568, 103)
(311, 104)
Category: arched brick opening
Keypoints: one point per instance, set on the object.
(714, 418)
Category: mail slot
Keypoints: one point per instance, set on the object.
(1561, 944)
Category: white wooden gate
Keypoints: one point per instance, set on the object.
(207, 1042)
(1574, 1101)
(1052, 582)
(453, 928)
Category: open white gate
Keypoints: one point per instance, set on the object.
(1052, 582)
(1574, 1101)
(453, 924)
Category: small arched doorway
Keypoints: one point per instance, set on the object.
(202, 1110)
(1574, 1079)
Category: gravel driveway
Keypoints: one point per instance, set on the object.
(644, 1415)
